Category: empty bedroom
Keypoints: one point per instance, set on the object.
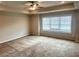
(39, 28)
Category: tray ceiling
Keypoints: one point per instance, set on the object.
(21, 7)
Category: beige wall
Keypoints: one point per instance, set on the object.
(77, 25)
(13, 26)
(34, 25)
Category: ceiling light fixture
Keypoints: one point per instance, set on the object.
(33, 5)
(32, 8)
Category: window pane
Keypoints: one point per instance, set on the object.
(65, 19)
(55, 22)
(59, 23)
(46, 21)
(46, 27)
(54, 26)
(65, 28)
(65, 24)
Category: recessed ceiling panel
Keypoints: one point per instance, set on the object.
(20, 5)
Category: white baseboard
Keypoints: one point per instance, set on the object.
(12, 39)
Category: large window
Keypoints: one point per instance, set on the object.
(57, 23)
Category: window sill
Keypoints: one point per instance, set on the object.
(56, 32)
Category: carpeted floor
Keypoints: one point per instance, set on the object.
(38, 46)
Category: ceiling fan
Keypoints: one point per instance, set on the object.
(33, 5)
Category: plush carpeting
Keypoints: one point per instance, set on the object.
(38, 46)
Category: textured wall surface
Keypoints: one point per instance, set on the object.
(34, 25)
(13, 26)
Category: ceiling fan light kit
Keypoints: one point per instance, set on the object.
(33, 5)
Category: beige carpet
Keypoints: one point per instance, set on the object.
(38, 46)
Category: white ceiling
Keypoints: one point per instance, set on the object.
(20, 5)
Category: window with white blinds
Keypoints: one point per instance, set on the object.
(57, 23)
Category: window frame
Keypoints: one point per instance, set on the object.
(57, 30)
(57, 14)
